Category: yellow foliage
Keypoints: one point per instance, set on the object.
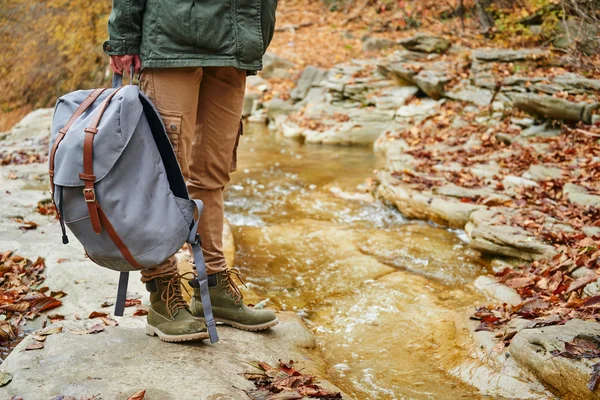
(48, 48)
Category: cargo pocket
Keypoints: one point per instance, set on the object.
(172, 122)
(233, 166)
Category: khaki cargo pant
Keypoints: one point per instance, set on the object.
(201, 109)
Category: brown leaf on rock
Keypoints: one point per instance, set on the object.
(97, 314)
(140, 312)
(582, 282)
(28, 225)
(45, 303)
(109, 321)
(132, 302)
(35, 346)
(138, 395)
(52, 330)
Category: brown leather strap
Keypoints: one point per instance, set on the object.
(63, 131)
(117, 240)
(88, 176)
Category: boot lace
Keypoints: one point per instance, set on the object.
(170, 291)
(232, 289)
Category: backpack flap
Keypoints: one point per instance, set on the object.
(116, 126)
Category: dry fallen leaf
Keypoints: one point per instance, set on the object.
(138, 395)
(97, 314)
(35, 346)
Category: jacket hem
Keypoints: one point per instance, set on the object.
(198, 62)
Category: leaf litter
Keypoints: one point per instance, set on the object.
(284, 382)
(22, 297)
(583, 346)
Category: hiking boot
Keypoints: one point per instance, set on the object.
(228, 305)
(169, 316)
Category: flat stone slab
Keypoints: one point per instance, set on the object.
(120, 361)
(490, 235)
(567, 378)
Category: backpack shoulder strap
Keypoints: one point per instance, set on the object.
(88, 176)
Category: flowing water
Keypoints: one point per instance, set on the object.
(380, 292)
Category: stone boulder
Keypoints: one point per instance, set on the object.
(275, 66)
(311, 76)
(120, 361)
(584, 35)
(375, 43)
(510, 55)
(553, 107)
(566, 378)
(443, 210)
(490, 235)
(580, 195)
(35, 124)
(497, 290)
(432, 83)
(426, 43)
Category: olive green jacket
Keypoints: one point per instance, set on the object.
(192, 33)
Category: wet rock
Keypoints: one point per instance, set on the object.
(490, 235)
(497, 290)
(424, 205)
(288, 128)
(425, 43)
(275, 66)
(566, 378)
(510, 55)
(375, 43)
(492, 372)
(580, 195)
(311, 76)
(347, 133)
(553, 107)
(389, 144)
(452, 190)
(113, 359)
(249, 100)
(277, 106)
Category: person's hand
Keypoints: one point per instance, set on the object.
(122, 63)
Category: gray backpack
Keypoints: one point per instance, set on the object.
(118, 187)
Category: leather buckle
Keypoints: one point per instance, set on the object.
(91, 192)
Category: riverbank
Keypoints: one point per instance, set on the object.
(500, 143)
(75, 347)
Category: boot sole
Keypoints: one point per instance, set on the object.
(250, 328)
(153, 331)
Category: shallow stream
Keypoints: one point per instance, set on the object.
(381, 292)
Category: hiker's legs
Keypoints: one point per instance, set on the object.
(213, 158)
(174, 92)
(219, 108)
